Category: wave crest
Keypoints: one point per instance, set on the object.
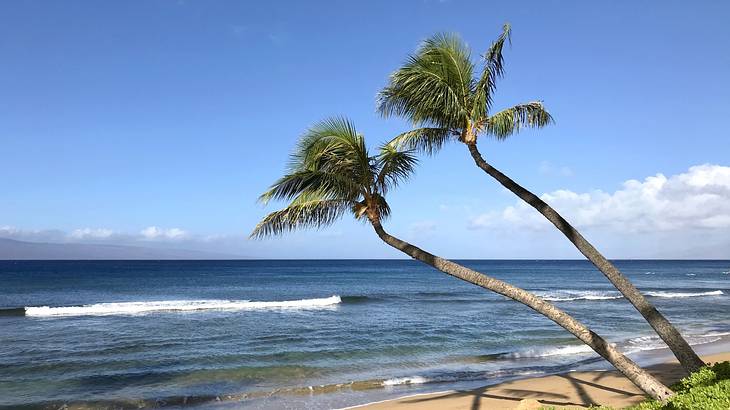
(571, 295)
(659, 294)
(132, 308)
(405, 380)
(548, 352)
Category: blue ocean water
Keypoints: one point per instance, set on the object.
(314, 334)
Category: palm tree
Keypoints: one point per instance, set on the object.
(332, 174)
(438, 91)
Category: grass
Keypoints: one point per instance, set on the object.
(706, 389)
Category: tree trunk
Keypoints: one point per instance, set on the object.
(626, 366)
(669, 334)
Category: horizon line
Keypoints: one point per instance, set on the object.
(350, 259)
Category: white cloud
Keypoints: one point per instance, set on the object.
(153, 232)
(103, 234)
(8, 231)
(37, 235)
(91, 233)
(696, 199)
(151, 237)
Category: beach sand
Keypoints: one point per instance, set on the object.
(568, 390)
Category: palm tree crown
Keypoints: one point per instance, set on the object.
(330, 174)
(437, 89)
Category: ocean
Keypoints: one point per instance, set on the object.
(302, 334)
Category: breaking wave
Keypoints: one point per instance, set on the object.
(644, 343)
(633, 345)
(684, 294)
(133, 308)
(405, 380)
(548, 352)
(571, 295)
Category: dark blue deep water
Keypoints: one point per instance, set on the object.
(329, 333)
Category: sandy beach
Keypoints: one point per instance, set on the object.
(568, 390)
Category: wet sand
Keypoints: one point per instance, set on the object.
(568, 390)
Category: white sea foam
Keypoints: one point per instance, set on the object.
(586, 297)
(550, 351)
(132, 308)
(570, 295)
(684, 294)
(405, 380)
(644, 343)
(637, 344)
(716, 334)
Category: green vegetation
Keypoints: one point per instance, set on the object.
(705, 389)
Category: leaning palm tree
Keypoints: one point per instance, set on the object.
(332, 174)
(438, 91)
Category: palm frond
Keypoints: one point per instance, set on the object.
(395, 166)
(428, 140)
(333, 146)
(507, 122)
(433, 86)
(332, 173)
(493, 69)
(325, 138)
(308, 210)
(331, 185)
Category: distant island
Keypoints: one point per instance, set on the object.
(11, 249)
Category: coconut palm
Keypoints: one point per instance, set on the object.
(332, 174)
(438, 90)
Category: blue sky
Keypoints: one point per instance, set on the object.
(160, 122)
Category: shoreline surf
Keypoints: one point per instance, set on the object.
(574, 389)
(715, 350)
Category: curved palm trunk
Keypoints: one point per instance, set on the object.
(626, 366)
(670, 335)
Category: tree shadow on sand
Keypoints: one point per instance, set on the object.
(585, 389)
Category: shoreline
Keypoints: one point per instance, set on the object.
(572, 389)
(594, 383)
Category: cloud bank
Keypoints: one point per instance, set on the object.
(155, 233)
(684, 216)
(150, 238)
(151, 233)
(698, 199)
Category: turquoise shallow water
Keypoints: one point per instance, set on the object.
(314, 334)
